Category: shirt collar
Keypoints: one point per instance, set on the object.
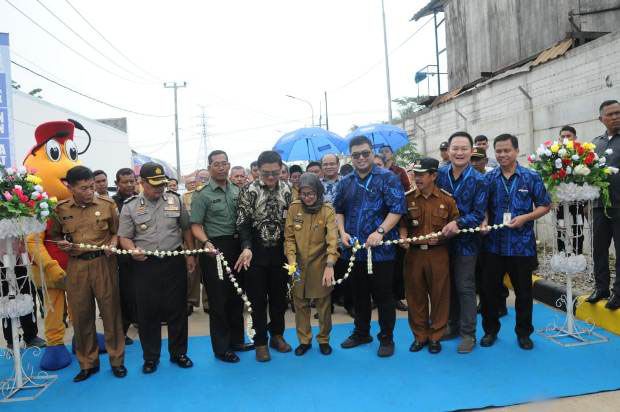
(214, 186)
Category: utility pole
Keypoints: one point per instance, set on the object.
(203, 132)
(387, 65)
(326, 112)
(437, 54)
(175, 86)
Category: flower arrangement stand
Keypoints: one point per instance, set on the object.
(570, 262)
(24, 383)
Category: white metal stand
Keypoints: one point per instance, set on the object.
(22, 385)
(569, 231)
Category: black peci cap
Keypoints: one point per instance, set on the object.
(426, 164)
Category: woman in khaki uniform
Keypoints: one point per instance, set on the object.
(311, 243)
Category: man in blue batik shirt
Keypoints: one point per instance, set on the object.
(369, 204)
(517, 197)
(466, 185)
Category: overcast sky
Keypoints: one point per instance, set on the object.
(239, 59)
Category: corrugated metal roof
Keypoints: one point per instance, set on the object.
(430, 8)
(554, 52)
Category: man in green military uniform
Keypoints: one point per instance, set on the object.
(213, 220)
(150, 221)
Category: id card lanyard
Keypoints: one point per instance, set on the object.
(509, 192)
(462, 179)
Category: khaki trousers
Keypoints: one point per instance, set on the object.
(87, 281)
(302, 319)
(427, 274)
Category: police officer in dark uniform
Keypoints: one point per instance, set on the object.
(158, 221)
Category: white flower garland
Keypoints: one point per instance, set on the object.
(569, 265)
(20, 305)
(357, 246)
(220, 259)
(570, 192)
(19, 227)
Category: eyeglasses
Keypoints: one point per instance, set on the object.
(218, 165)
(274, 173)
(365, 154)
(307, 194)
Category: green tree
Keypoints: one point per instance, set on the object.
(406, 155)
(407, 105)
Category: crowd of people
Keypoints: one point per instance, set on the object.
(288, 234)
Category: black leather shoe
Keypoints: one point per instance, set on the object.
(128, 341)
(417, 346)
(355, 340)
(614, 302)
(149, 366)
(597, 295)
(190, 310)
(302, 349)
(182, 360)
(525, 343)
(228, 356)
(434, 346)
(386, 348)
(325, 348)
(401, 306)
(488, 340)
(119, 371)
(85, 374)
(242, 347)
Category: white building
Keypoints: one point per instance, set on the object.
(109, 149)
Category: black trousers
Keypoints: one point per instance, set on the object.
(480, 265)
(519, 269)
(380, 286)
(265, 283)
(344, 291)
(162, 295)
(28, 322)
(225, 306)
(399, 282)
(606, 229)
(127, 290)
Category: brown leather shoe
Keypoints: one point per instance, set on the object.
(262, 354)
(278, 343)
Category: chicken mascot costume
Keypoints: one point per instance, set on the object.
(52, 156)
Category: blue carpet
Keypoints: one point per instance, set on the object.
(348, 380)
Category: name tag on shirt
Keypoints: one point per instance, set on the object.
(507, 218)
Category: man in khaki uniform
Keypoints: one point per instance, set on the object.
(311, 242)
(89, 219)
(193, 278)
(427, 263)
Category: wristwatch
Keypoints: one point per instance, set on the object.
(380, 230)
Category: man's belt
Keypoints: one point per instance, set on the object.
(90, 255)
(423, 247)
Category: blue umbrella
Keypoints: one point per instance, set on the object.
(309, 143)
(380, 135)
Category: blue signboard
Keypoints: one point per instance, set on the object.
(6, 120)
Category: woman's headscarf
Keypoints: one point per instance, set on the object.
(312, 181)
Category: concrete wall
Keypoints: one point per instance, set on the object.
(109, 149)
(487, 35)
(567, 90)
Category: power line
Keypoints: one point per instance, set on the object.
(67, 46)
(380, 62)
(79, 36)
(87, 96)
(109, 42)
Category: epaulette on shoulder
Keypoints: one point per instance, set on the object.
(130, 199)
(198, 189)
(409, 192)
(106, 199)
(296, 202)
(172, 192)
(62, 202)
(446, 192)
